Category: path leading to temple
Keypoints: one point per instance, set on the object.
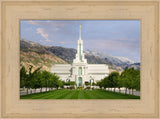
(79, 94)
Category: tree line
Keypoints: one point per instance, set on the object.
(38, 79)
(129, 78)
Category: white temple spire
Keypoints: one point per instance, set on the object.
(80, 55)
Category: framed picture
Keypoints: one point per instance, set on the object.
(79, 59)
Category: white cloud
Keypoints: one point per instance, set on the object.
(43, 33)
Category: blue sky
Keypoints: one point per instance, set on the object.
(114, 37)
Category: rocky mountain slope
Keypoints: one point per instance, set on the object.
(118, 63)
(37, 55)
(68, 54)
(114, 59)
(32, 53)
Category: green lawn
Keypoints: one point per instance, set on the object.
(79, 94)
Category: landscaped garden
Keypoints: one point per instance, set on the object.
(58, 89)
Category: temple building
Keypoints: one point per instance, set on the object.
(80, 71)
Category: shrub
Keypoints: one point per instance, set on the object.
(80, 88)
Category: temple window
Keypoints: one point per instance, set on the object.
(80, 71)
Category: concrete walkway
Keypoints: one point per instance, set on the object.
(137, 93)
(31, 91)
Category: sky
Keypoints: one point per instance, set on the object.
(113, 37)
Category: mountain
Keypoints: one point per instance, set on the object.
(32, 53)
(68, 54)
(118, 63)
(114, 59)
(134, 65)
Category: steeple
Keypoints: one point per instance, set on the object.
(80, 55)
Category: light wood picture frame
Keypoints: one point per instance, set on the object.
(12, 11)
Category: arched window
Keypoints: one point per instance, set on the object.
(80, 71)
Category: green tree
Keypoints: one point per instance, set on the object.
(113, 79)
(55, 82)
(60, 83)
(131, 79)
(23, 77)
(120, 83)
(31, 77)
(106, 82)
(62, 86)
(40, 80)
(50, 81)
(124, 77)
(137, 80)
(100, 83)
(46, 77)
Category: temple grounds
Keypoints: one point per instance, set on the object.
(79, 94)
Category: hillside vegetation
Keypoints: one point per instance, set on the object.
(32, 53)
(37, 56)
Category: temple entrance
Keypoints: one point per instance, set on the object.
(79, 82)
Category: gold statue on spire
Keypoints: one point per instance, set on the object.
(79, 31)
